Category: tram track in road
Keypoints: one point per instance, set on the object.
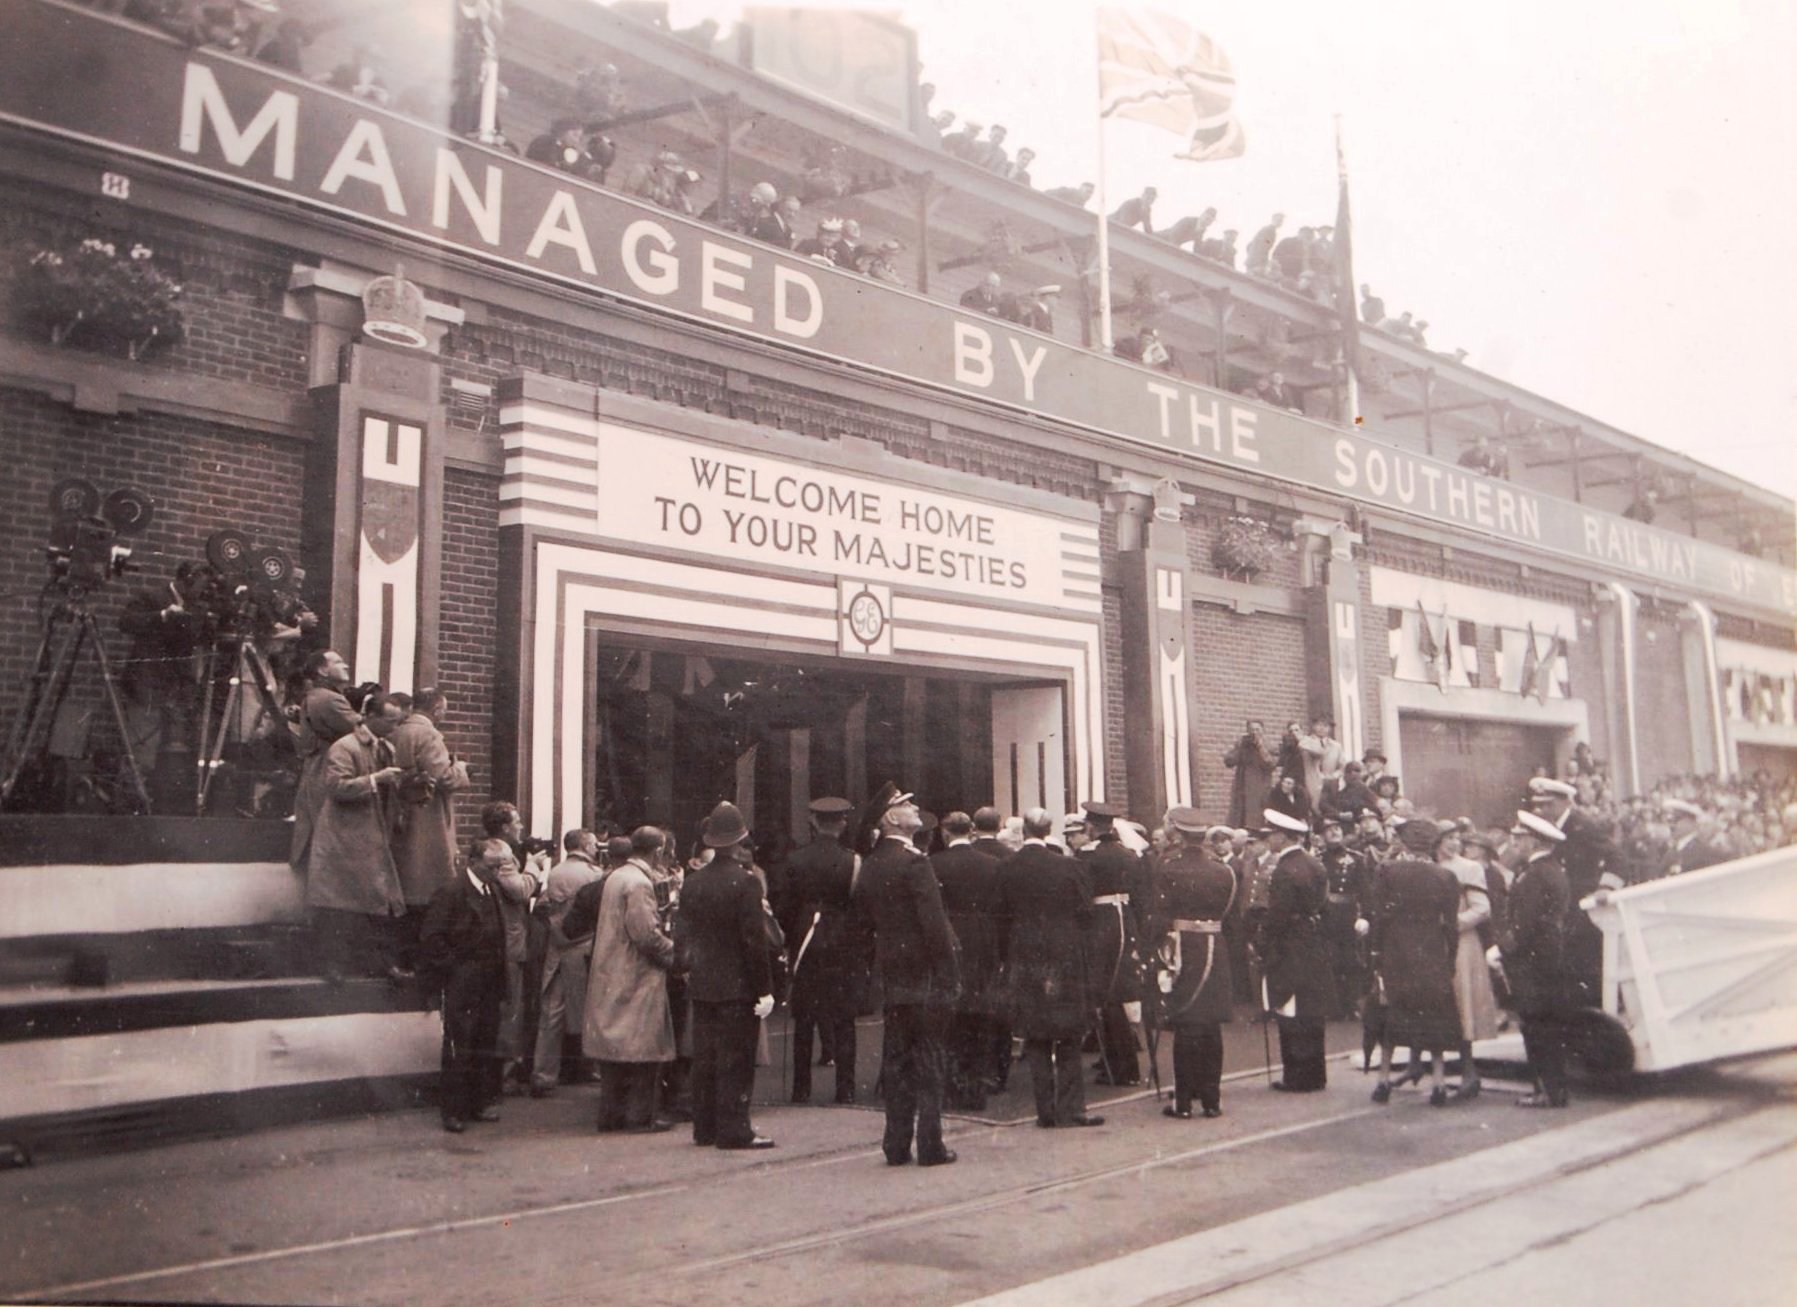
(985, 1127)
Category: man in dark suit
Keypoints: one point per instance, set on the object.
(987, 822)
(461, 954)
(828, 972)
(897, 897)
(1044, 910)
(969, 882)
(1300, 986)
(1591, 862)
(1116, 875)
(721, 939)
(1194, 896)
(1533, 950)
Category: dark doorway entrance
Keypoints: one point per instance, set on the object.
(1454, 767)
(674, 729)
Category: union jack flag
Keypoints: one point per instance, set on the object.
(1158, 69)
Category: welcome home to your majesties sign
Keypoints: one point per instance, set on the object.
(749, 508)
(82, 75)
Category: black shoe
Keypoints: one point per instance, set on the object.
(1382, 1092)
(1085, 1120)
(904, 1160)
(1542, 1100)
(1438, 1097)
(1178, 1113)
(801, 1099)
(706, 1142)
(945, 1158)
(1212, 1113)
(541, 1091)
(846, 1099)
(454, 1124)
(651, 1128)
(753, 1141)
(487, 1113)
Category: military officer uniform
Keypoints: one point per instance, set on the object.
(1300, 987)
(1591, 863)
(1117, 877)
(1689, 851)
(1194, 895)
(829, 976)
(1534, 955)
(1349, 881)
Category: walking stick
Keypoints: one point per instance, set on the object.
(1266, 1038)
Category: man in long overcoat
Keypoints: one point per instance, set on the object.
(1414, 931)
(969, 883)
(896, 895)
(352, 888)
(1044, 910)
(461, 955)
(829, 967)
(1533, 949)
(987, 823)
(721, 941)
(324, 716)
(424, 813)
(564, 986)
(629, 1026)
(1194, 896)
(1300, 985)
(1117, 877)
(1252, 761)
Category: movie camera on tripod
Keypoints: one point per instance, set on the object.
(244, 592)
(85, 551)
(246, 607)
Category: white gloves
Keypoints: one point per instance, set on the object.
(1609, 880)
(1164, 979)
(1494, 956)
(1362, 926)
(764, 1007)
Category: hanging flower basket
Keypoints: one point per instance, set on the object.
(1244, 548)
(90, 296)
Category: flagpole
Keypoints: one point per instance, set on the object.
(1347, 289)
(1104, 222)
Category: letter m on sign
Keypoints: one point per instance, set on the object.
(203, 104)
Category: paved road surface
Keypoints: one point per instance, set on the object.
(1284, 1199)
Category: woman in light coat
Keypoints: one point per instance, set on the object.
(1472, 977)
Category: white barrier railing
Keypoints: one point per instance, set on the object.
(1703, 966)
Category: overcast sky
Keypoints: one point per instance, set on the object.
(1596, 198)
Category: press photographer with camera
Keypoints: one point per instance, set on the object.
(352, 888)
(423, 811)
(323, 717)
(525, 938)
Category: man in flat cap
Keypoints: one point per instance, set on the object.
(721, 941)
(829, 976)
(896, 895)
(1118, 882)
(1300, 987)
(1045, 907)
(1533, 949)
(1689, 851)
(1591, 862)
(1194, 896)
